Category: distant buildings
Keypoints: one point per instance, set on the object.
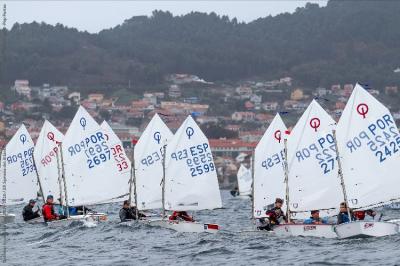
(21, 87)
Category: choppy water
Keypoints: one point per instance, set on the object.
(111, 243)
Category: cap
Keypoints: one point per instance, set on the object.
(126, 202)
(50, 197)
(32, 201)
(314, 211)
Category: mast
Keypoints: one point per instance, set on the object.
(132, 181)
(63, 179)
(4, 185)
(341, 174)
(163, 182)
(252, 186)
(38, 179)
(286, 170)
(59, 178)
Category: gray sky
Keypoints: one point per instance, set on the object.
(94, 16)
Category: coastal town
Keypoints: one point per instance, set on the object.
(233, 116)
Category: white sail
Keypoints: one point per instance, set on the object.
(369, 145)
(91, 174)
(313, 172)
(148, 163)
(244, 180)
(120, 157)
(191, 179)
(45, 154)
(269, 176)
(21, 179)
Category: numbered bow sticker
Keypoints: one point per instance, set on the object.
(189, 132)
(362, 109)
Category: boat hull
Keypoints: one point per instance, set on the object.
(312, 230)
(7, 218)
(365, 229)
(90, 219)
(185, 227)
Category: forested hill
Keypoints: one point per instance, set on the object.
(346, 41)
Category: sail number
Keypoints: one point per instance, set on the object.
(381, 138)
(119, 157)
(275, 159)
(198, 158)
(153, 157)
(25, 159)
(94, 147)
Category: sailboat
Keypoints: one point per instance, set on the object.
(191, 182)
(90, 173)
(369, 150)
(18, 176)
(149, 171)
(120, 157)
(245, 181)
(269, 176)
(312, 181)
(47, 161)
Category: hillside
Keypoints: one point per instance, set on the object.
(346, 41)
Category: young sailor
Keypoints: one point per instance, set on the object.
(128, 213)
(315, 219)
(343, 216)
(181, 215)
(275, 215)
(28, 213)
(360, 215)
(48, 210)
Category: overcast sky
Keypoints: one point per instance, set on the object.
(94, 16)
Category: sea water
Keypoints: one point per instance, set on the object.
(112, 243)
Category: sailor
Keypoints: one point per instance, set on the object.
(343, 216)
(181, 215)
(315, 219)
(48, 210)
(28, 213)
(360, 215)
(275, 216)
(128, 213)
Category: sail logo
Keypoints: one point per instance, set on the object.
(157, 137)
(362, 109)
(315, 123)
(82, 121)
(189, 132)
(50, 136)
(23, 138)
(278, 135)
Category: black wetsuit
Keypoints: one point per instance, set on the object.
(29, 214)
(274, 215)
(126, 214)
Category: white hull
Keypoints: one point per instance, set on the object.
(366, 229)
(91, 219)
(8, 218)
(313, 230)
(183, 226)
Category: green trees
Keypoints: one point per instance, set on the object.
(346, 41)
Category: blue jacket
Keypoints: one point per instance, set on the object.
(311, 220)
(342, 218)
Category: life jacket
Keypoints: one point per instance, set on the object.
(182, 215)
(48, 212)
(359, 215)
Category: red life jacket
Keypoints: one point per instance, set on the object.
(182, 215)
(48, 212)
(359, 215)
